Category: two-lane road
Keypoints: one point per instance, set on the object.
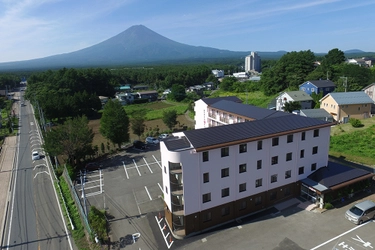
(35, 220)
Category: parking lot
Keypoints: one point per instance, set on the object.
(129, 188)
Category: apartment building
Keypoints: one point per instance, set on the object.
(220, 173)
(253, 63)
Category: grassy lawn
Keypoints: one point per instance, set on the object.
(354, 144)
(155, 109)
(256, 98)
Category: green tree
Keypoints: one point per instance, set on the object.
(178, 93)
(291, 106)
(98, 222)
(170, 118)
(316, 98)
(334, 56)
(73, 139)
(138, 122)
(227, 83)
(114, 124)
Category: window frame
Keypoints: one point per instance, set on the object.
(289, 156)
(288, 174)
(242, 168)
(315, 150)
(259, 145)
(259, 164)
(224, 152)
(289, 138)
(242, 148)
(316, 133)
(301, 170)
(207, 196)
(303, 136)
(274, 160)
(273, 178)
(205, 156)
(275, 141)
(206, 177)
(225, 192)
(224, 172)
(259, 182)
(242, 187)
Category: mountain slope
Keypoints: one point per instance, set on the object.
(135, 45)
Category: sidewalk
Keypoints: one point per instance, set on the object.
(7, 154)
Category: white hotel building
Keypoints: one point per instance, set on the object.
(216, 174)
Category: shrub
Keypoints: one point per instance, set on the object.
(355, 123)
(328, 205)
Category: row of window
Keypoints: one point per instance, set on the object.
(244, 203)
(243, 147)
(258, 182)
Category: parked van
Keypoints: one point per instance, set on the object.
(361, 212)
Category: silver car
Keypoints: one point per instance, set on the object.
(361, 212)
(152, 140)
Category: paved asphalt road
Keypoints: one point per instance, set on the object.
(34, 217)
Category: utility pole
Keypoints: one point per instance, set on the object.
(345, 81)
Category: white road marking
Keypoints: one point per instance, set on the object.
(137, 167)
(148, 193)
(40, 173)
(126, 172)
(136, 202)
(40, 165)
(161, 189)
(338, 236)
(148, 165)
(157, 162)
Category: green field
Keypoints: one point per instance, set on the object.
(256, 98)
(354, 144)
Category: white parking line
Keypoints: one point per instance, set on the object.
(148, 165)
(126, 172)
(137, 167)
(136, 202)
(157, 162)
(149, 196)
(160, 187)
(338, 236)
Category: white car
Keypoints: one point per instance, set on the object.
(152, 140)
(35, 155)
(163, 136)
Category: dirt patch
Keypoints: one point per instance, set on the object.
(183, 121)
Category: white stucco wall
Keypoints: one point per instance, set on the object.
(200, 109)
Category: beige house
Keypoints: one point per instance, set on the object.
(345, 105)
(370, 91)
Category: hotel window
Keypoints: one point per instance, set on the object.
(301, 170)
(258, 200)
(224, 192)
(316, 133)
(303, 136)
(224, 172)
(273, 178)
(242, 187)
(313, 167)
(288, 156)
(315, 150)
(288, 174)
(259, 164)
(274, 160)
(242, 168)
(243, 148)
(289, 139)
(206, 197)
(275, 141)
(260, 145)
(205, 156)
(224, 152)
(207, 216)
(258, 183)
(166, 189)
(243, 205)
(302, 153)
(206, 177)
(225, 211)
(165, 169)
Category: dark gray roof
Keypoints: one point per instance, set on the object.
(315, 113)
(335, 174)
(249, 111)
(344, 98)
(323, 83)
(176, 143)
(248, 130)
(210, 101)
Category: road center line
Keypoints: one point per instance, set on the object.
(137, 167)
(126, 172)
(148, 165)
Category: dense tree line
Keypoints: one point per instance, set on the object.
(294, 68)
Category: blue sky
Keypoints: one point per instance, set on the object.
(38, 28)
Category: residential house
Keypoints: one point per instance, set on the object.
(218, 73)
(320, 114)
(209, 85)
(150, 95)
(317, 87)
(370, 91)
(345, 105)
(125, 98)
(294, 96)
